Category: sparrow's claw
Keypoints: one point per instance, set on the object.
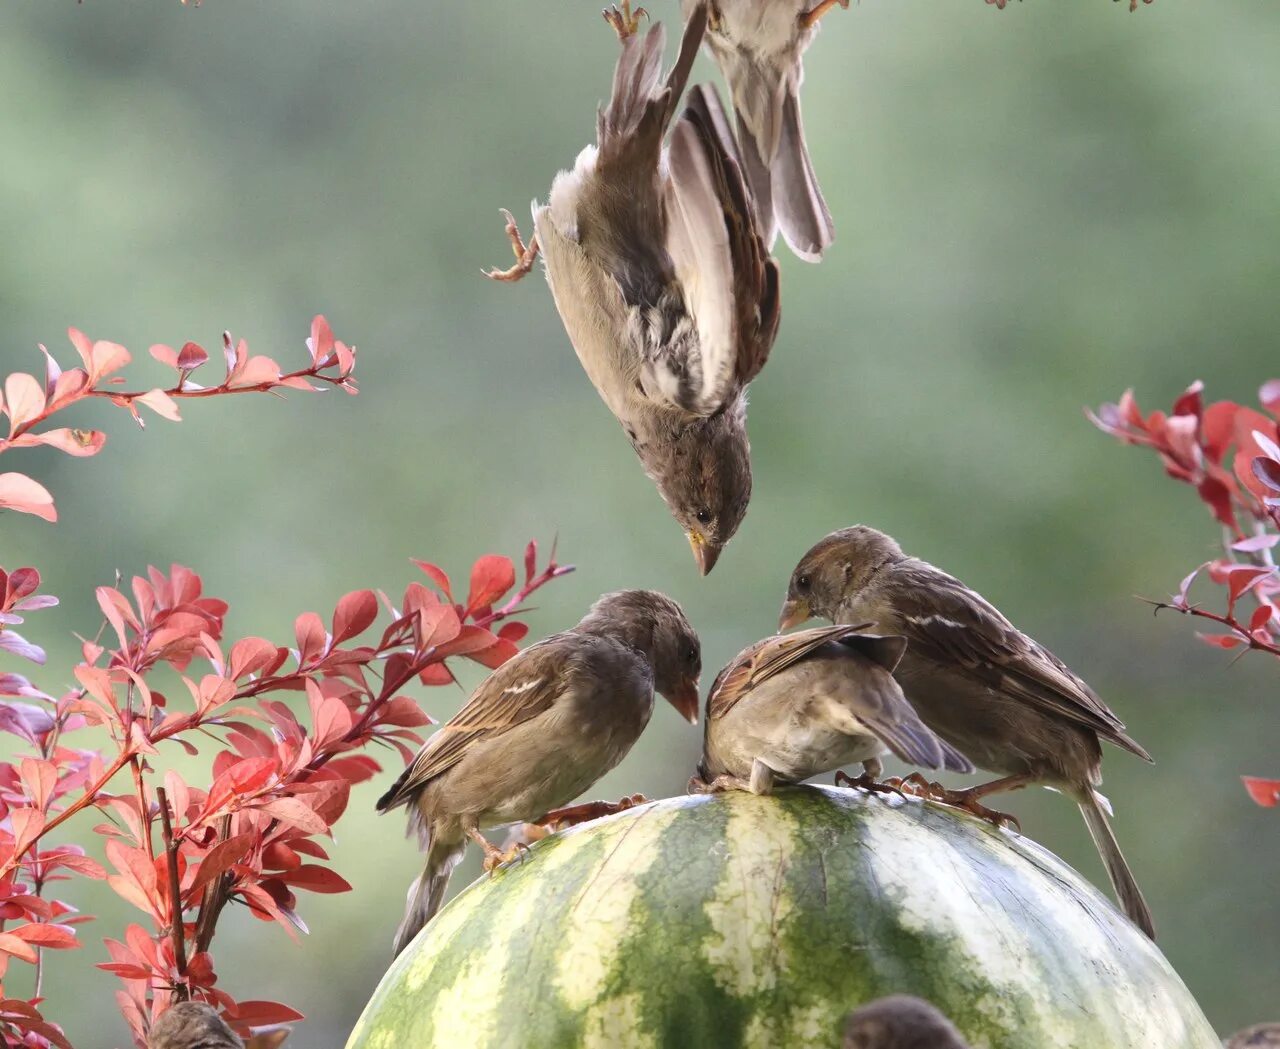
(970, 801)
(559, 819)
(719, 785)
(495, 859)
(626, 22)
(915, 784)
(809, 19)
(869, 783)
(526, 254)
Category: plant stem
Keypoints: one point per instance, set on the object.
(175, 897)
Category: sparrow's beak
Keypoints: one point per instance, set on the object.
(794, 612)
(685, 700)
(705, 553)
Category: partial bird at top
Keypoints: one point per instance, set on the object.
(759, 46)
(663, 281)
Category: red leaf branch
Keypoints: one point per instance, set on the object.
(28, 403)
(1230, 455)
(278, 781)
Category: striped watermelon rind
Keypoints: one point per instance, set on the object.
(740, 921)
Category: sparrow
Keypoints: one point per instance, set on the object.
(759, 46)
(900, 1022)
(979, 682)
(192, 1025)
(663, 282)
(540, 730)
(1260, 1036)
(794, 706)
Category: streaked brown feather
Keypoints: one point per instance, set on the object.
(493, 708)
(767, 657)
(950, 623)
(757, 305)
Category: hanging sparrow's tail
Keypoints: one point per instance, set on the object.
(776, 159)
(427, 893)
(1122, 881)
(630, 128)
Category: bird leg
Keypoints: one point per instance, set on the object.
(526, 254)
(559, 819)
(872, 770)
(719, 785)
(626, 22)
(761, 778)
(494, 857)
(914, 784)
(809, 19)
(970, 799)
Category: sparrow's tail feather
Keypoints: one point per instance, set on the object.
(953, 760)
(801, 211)
(915, 743)
(1122, 880)
(427, 893)
(641, 103)
(760, 181)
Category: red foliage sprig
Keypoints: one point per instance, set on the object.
(279, 779)
(1230, 454)
(27, 402)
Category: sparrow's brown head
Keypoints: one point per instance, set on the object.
(703, 472)
(655, 625)
(187, 1024)
(833, 571)
(900, 1022)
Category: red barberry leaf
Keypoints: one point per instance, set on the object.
(491, 577)
(19, 492)
(221, 858)
(47, 934)
(309, 631)
(314, 878)
(259, 1014)
(1267, 470)
(437, 576)
(1217, 496)
(191, 356)
(1266, 792)
(354, 614)
(514, 632)
(1220, 640)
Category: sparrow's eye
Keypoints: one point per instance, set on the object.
(704, 516)
(803, 583)
(691, 655)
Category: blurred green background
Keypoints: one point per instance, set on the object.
(1035, 209)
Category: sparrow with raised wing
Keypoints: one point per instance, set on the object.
(794, 706)
(663, 283)
(900, 1022)
(759, 46)
(540, 730)
(979, 682)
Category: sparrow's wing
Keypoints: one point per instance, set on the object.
(728, 280)
(951, 624)
(524, 687)
(759, 662)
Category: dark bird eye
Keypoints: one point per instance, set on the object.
(803, 583)
(704, 516)
(690, 655)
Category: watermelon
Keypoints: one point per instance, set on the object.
(740, 921)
